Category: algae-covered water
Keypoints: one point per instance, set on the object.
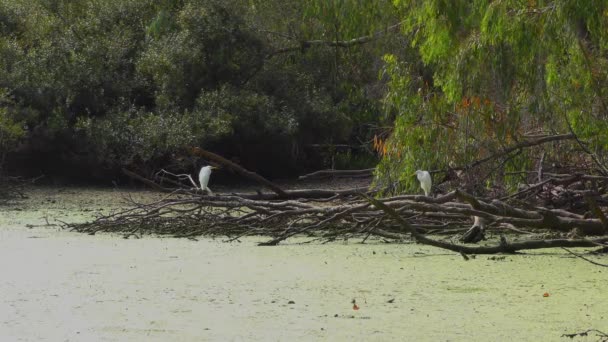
(63, 286)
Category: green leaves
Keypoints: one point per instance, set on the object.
(500, 69)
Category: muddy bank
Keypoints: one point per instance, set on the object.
(58, 285)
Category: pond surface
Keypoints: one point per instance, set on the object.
(63, 286)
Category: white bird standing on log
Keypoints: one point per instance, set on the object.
(203, 178)
(426, 182)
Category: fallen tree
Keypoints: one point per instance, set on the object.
(330, 214)
(338, 173)
(502, 247)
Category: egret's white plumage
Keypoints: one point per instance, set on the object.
(203, 178)
(426, 182)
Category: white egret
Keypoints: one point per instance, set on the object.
(426, 182)
(203, 178)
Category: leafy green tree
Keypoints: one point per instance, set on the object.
(501, 71)
(131, 83)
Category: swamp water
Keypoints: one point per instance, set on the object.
(62, 286)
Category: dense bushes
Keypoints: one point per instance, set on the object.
(114, 83)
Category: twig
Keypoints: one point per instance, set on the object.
(521, 145)
(586, 333)
(582, 257)
(343, 173)
(302, 46)
(528, 189)
(181, 176)
(601, 166)
(145, 181)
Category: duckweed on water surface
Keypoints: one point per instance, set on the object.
(59, 285)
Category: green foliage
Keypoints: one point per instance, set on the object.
(248, 115)
(134, 81)
(500, 71)
(206, 47)
(354, 161)
(133, 135)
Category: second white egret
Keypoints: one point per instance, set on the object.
(203, 178)
(426, 182)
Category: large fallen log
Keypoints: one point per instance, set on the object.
(191, 215)
(327, 214)
(502, 247)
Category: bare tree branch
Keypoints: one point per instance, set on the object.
(337, 43)
(519, 146)
(582, 257)
(343, 173)
(602, 168)
(503, 247)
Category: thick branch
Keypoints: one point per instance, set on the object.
(503, 247)
(337, 215)
(601, 167)
(337, 43)
(539, 218)
(240, 170)
(146, 181)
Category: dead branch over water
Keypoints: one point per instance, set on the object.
(13, 187)
(331, 214)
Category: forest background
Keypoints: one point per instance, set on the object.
(88, 87)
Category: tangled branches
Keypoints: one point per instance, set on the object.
(329, 214)
(234, 216)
